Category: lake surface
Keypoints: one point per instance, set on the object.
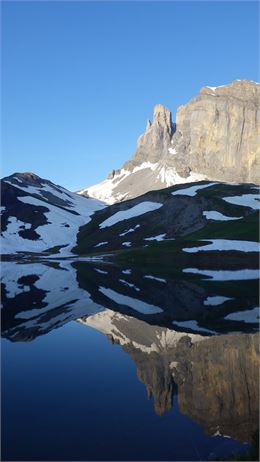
(101, 362)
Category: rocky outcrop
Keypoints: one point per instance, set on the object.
(153, 144)
(218, 132)
(216, 137)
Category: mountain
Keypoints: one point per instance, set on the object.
(215, 137)
(182, 222)
(38, 215)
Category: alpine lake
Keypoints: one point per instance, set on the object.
(104, 361)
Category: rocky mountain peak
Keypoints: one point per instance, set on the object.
(245, 90)
(162, 116)
(215, 137)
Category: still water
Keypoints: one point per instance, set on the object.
(107, 363)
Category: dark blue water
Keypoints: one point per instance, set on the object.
(71, 394)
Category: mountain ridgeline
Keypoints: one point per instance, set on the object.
(214, 146)
(216, 136)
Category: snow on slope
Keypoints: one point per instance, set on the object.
(246, 200)
(137, 210)
(225, 245)
(226, 275)
(192, 190)
(63, 213)
(123, 184)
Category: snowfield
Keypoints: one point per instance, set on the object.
(246, 200)
(137, 210)
(213, 215)
(250, 316)
(226, 275)
(193, 325)
(217, 300)
(192, 190)
(62, 225)
(225, 245)
(160, 237)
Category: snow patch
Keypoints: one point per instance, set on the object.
(192, 190)
(137, 210)
(156, 279)
(226, 245)
(226, 275)
(246, 200)
(137, 305)
(160, 237)
(194, 326)
(250, 316)
(101, 243)
(213, 215)
(131, 230)
(217, 300)
(127, 244)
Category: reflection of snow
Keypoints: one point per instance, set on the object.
(134, 303)
(250, 316)
(217, 300)
(225, 245)
(226, 275)
(193, 325)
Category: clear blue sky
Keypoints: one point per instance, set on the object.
(80, 79)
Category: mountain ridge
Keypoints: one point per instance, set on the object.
(216, 137)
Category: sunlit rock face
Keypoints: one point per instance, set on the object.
(216, 136)
(218, 132)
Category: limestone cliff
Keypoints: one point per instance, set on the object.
(216, 136)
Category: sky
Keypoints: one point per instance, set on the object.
(80, 79)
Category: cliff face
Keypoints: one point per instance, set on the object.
(218, 132)
(216, 136)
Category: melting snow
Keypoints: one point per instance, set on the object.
(104, 190)
(101, 243)
(127, 271)
(246, 316)
(129, 284)
(217, 300)
(213, 215)
(137, 210)
(160, 237)
(134, 303)
(193, 325)
(192, 190)
(246, 200)
(127, 244)
(131, 230)
(156, 279)
(226, 275)
(226, 245)
(145, 165)
(101, 271)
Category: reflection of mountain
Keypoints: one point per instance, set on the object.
(38, 297)
(41, 296)
(217, 377)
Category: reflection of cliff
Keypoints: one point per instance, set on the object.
(217, 377)
(218, 383)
